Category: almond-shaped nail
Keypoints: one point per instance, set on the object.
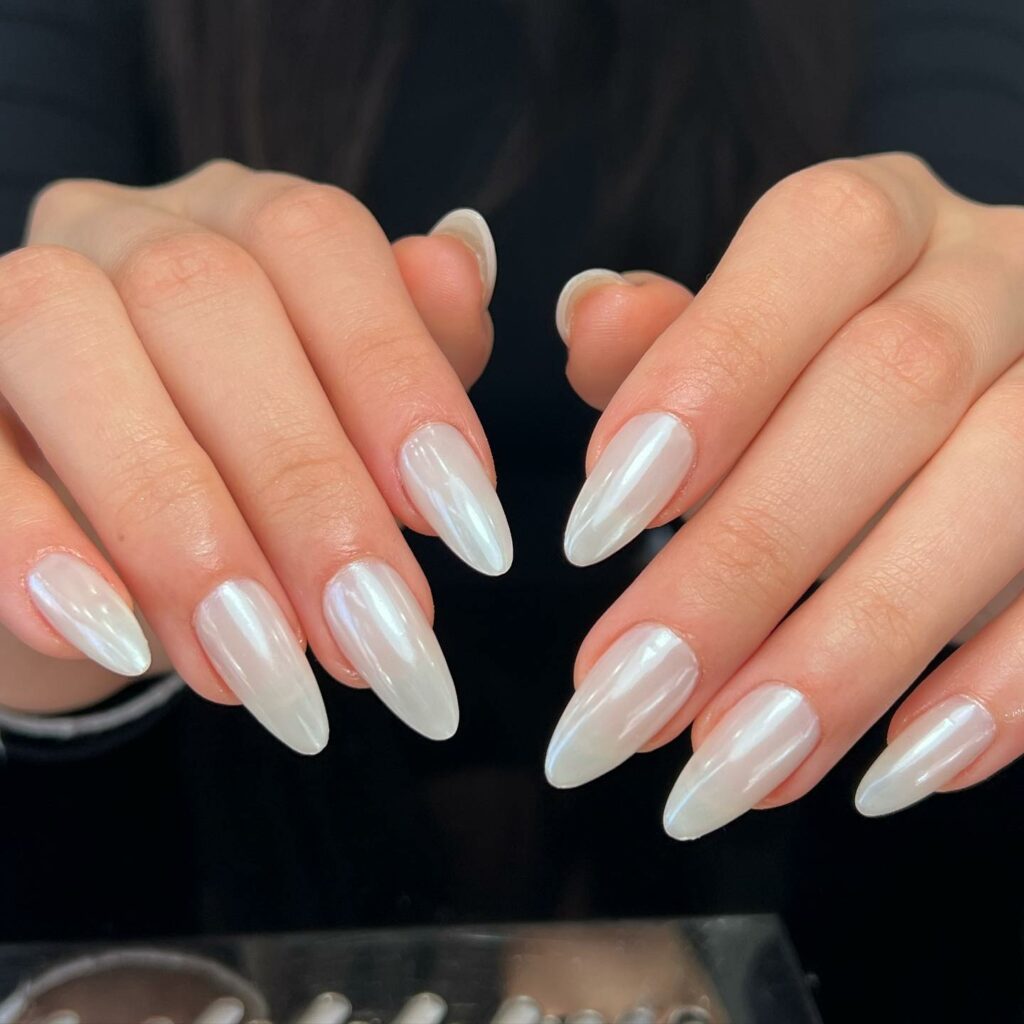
(574, 289)
(470, 228)
(86, 610)
(382, 630)
(633, 690)
(756, 746)
(642, 466)
(936, 747)
(449, 487)
(251, 645)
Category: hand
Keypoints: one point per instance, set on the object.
(857, 351)
(242, 385)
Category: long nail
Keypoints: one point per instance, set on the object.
(383, 632)
(752, 751)
(448, 485)
(932, 750)
(470, 228)
(574, 289)
(636, 475)
(632, 691)
(86, 610)
(248, 640)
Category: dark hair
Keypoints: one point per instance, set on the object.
(305, 86)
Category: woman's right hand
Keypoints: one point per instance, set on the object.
(242, 386)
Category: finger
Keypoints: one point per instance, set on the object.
(835, 665)
(870, 410)
(814, 251)
(608, 321)
(961, 724)
(206, 312)
(436, 272)
(398, 398)
(58, 595)
(69, 355)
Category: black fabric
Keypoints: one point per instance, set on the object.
(207, 824)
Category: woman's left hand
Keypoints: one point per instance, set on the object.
(846, 390)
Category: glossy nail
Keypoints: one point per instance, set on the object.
(574, 289)
(756, 746)
(449, 487)
(633, 690)
(86, 610)
(931, 751)
(252, 647)
(636, 475)
(470, 228)
(383, 632)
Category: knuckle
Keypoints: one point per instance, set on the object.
(161, 481)
(301, 481)
(58, 201)
(750, 550)
(847, 201)
(912, 351)
(183, 268)
(879, 608)
(297, 213)
(38, 276)
(388, 363)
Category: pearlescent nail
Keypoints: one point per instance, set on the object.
(383, 632)
(574, 289)
(471, 229)
(86, 610)
(632, 691)
(449, 487)
(247, 638)
(756, 746)
(636, 475)
(936, 746)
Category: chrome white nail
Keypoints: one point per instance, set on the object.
(86, 610)
(633, 690)
(636, 475)
(470, 227)
(223, 1011)
(756, 746)
(251, 645)
(936, 747)
(425, 1008)
(383, 632)
(327, 1008)
(449, 487)
(574, 289)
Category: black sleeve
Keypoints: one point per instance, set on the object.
(73, 99)
(945, 80)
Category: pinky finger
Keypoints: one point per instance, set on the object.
(961, 725)
(58, 595)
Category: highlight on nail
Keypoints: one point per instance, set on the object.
(931, 751)
(633, 690)
(752, 750)
(449, 487)
(636, 475)
(88, 612)
(379, 626)
(249, 641)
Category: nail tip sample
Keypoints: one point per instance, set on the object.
(471, 227)
(570, 289)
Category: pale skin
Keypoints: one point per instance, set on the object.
(858, 348)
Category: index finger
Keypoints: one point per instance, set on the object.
(818, 248)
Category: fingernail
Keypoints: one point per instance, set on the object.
(383, 632)
(86, 610)
(446, 482)
(632, 691)
(750, 753)
(636, 475)
(574, 289)
(248, 640)
(932, 750)
(470, 227)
